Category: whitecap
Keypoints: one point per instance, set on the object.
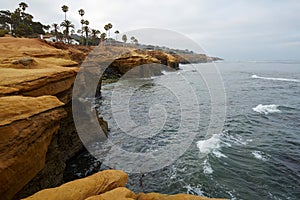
(266, 109)
(218, 154)
(206, 146)
(230, 139)
(207, 167)
(194, 190)
(276, 79)
(259, 155)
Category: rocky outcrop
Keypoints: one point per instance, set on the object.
(36, 82)
(194, 58)
(37, 130)
(135, 61)
(164, 58)
(120, 193)
(27, 126)
(38, 134)
(105, 185)
(95, 184)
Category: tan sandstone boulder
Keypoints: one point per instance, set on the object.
(120, 193)
(81, 189)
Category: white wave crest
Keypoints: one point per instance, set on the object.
(259, 155)
(218, 154)
(206, 146)
(266, 109)
(276, 79)
(207, 168)
(194, 190)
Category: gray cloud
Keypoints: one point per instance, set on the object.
(236, 29)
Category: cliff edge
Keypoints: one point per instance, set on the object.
(37, 131)
(105, 185)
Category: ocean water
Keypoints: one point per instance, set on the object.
(256, 155)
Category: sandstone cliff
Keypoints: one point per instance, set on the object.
(37, 131)
(194, 58)
(134, 60)
(27, 127)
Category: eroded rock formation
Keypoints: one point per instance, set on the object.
(37, 131)
(27, 127)
(105, 185)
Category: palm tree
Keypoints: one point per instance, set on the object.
(132, 39)
(86, 30)
(117, 32)
(106, 28)
(23, 6)
(65, 10)
(67, 24)
(81, 12)
(94, 34)
(124, 38)
(102, 36)
(56, 27)
(109, 27)
(82, 22)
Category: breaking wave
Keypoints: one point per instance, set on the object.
(267, 109)
(276, 79)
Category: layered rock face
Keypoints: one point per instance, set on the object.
(37, 131)
(27, 127)
(36, 125)
(140, 63)
(105, 185)
(195, 58)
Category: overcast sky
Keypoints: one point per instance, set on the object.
(231, 29)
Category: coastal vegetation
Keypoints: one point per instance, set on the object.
(19, 23)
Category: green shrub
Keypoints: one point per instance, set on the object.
(2, 33)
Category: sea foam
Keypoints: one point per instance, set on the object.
(266, 109)
(276, 79)
(259, 155)
(197, 190)
(207, 146)
(207, 168)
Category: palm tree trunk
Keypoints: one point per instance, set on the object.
(86, 36)
(82, 34)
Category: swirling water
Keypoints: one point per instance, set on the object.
(256, 156)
